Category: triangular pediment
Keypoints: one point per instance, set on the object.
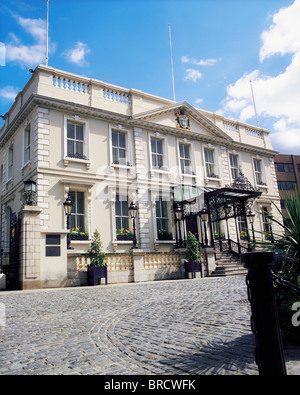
(183, 116)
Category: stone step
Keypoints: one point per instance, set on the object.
(228, 265)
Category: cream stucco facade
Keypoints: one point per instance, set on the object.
(107, 146)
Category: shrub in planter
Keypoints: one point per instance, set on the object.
(193, 257)
(97, 268)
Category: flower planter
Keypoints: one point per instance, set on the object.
(95, 273)
(79, 237)
(193, 267)
(124, 238)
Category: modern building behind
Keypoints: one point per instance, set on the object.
(287, 169)
(106, 146)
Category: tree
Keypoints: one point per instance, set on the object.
(95, 253)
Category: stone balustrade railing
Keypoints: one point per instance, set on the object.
(84, 86)
(160, 261)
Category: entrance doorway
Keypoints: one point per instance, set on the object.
(191, 225)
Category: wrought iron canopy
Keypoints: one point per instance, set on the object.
(239, 201)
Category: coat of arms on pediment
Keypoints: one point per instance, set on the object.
(183, 121)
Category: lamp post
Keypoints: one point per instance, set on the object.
(227, 210)
(29, 191)
(68, 206)
(251, 217)
(204, 217)
(178, 215)
(132, 212)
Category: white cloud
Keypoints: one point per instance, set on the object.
(9, 92)
(198, 101)
(286, 137)
(201, 62)
(283, 35)
(77, 55)
(278, 96)
(193, 75)
(28, 55)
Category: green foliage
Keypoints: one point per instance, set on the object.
(288, 242)
(95, 253)
(192, 248)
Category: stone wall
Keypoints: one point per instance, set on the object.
(136, 266)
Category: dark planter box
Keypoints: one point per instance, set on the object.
(193, 267)
(95, 273)
(79, 237)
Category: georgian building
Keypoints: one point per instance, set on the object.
(105, 146)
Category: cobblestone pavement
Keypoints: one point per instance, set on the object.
(197, 327)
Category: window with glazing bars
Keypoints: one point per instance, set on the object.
(27, 142)
(157, 153)
(185, 159)
(162, 220)
(77, 215)
(209, 162)
(234, 166)
(121, 212)
(119, 151)
(257, 171)
(75, 140)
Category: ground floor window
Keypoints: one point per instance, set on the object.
(78, 214)
(122, 217)
(162, 220)
(52, 245)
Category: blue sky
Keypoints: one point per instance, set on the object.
(218, 47)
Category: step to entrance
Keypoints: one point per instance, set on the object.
(228, 265)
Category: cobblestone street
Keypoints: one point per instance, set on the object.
(196, 327)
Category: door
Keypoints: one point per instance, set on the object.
(191, 225)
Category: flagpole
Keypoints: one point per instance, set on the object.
(254, 103)
(171, 63)
(47, 33)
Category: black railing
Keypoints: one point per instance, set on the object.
(232, 247)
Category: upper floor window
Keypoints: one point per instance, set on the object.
(27, 143)
(266, 222)
(284, 167)
(258, 172)
(10, 162)
(119, 147)
(157, 153)
(209, 158)
(234, 165)
(75, 140)
(286, 185)
(185, 158)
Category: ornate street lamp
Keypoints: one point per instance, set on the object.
(251, 217)
(204, 218)
(29, 191)
(178, 215)
(132, 212)
(227, 210)
(68, 206)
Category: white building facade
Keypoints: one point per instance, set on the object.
(106, 146)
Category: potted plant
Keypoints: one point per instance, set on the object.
(193, 257)
(97, 268)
